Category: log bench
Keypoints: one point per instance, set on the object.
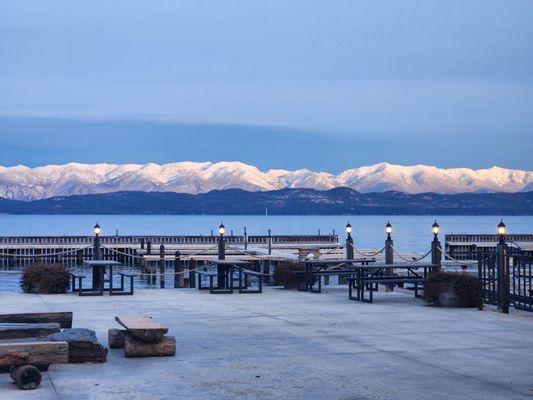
(64, 319)
(143, 337)
(21, 330)
(25, 357)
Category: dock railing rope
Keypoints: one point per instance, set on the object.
(413, 259)
(464, 262)
(42, 255)
(367, 254)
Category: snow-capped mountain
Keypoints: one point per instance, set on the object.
(25, 183)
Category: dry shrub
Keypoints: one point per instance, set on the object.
(284, 274)
(45, 278)
(453, 289)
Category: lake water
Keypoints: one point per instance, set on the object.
(411, 233)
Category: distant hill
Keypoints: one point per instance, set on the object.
(23, 183)
(336, 201)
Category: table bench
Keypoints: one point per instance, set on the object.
(378, 274)
(120, 291)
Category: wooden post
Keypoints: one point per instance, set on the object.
(436, 253)
(149, 248)
(503, 287)
(178, 271)
(162, 266)
(192, 275)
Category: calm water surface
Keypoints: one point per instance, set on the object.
(411, 233)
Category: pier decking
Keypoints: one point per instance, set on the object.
(292, 345)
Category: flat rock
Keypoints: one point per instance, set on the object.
(83, 346)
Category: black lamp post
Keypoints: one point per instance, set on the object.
(389, 254)
(349, 242)
(501, 232)
(436, 252)
(245, 239)
(221, 272)
(503, 288)
(97, 252)
(221, 242)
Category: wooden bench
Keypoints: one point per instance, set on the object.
(143, 328)
(20, 331)
(121, 291)
(80, 279)
(64, 319)
(24, 358)
(243, 273)
(394, 279)
(209, 274)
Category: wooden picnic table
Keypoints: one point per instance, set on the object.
(368, 275)
(225, 277)
(319, 268)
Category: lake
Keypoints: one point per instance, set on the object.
(411, 233)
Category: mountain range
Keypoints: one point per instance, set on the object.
(24, 183)
(336, 201)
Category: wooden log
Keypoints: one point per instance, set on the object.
(64, 319)
(115, 338)
(17, 331)
(83, 346)
(143, 328)
(139, 348)
(37, 353)
(27, 377)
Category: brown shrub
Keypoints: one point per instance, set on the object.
(453, 289)
(45, 278)
(284, 274)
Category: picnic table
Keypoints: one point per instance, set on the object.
(366, 276)
(99, 268)
(319, 268)
(225, 275)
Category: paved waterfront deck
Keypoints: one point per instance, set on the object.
(293, 345)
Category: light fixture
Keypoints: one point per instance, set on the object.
(388, 228)
(97, 229)
(348, 228)
(501, 228)
(221, 229)
(435, 228)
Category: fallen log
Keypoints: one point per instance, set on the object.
(83, 346)
(27, 377)
(115, 338)
(64, 319)
(138, 348)
(143, 328)
(18, 331)
(36, 353)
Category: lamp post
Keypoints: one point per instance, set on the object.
(349, 242)
(245, 239)
(97, 254)
(389, 254)
(503, 270)
(221, 279)
(436, 252)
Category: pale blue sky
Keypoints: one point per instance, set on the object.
(436, 82)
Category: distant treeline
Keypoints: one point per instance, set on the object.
(337, 201)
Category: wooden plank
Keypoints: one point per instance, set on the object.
(143, 328)
(18, 331)
(115, 338)
(62, 318)
(36, 353)
(139, 348)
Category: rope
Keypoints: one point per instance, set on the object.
(367, 254)
(43, 255)
(462, 262)
(247, 253)
(413, 260)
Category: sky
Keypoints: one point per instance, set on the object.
(325, 85)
